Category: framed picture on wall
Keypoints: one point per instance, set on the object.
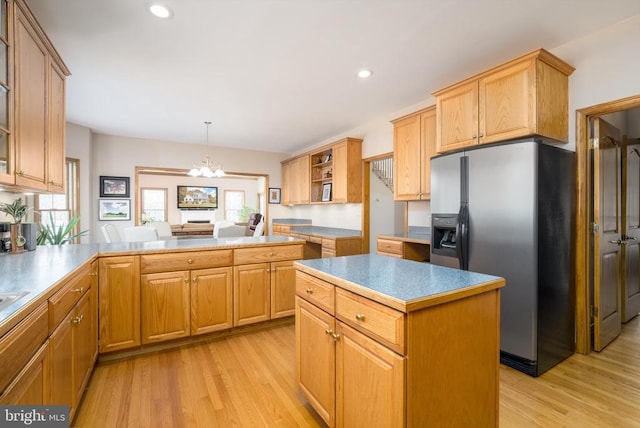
(274, 195)
(326, 192)
(114, 209)
(114, 187)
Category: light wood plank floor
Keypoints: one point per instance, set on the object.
(249, 381)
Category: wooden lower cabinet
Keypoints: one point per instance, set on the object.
(72, 354)
(251, 293)
(165, 306)
(316, 358)
(211, 300)
(119, 302)
(369, 382)
(31, 386)
(283, 289)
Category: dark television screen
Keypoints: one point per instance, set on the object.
(197, 198)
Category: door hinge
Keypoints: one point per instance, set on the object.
(595, 228)
(594, 312)
(594, 143)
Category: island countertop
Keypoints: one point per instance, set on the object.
(43, 271)
(401, 284)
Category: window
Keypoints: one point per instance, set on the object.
(153, 204)
(61, 206)
(233, 203)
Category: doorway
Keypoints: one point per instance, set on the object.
(600, 257)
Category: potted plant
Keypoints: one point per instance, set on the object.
(50, 234)
(18, 210)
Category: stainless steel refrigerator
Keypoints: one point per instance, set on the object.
(508, 210)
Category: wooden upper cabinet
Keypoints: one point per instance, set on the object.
(295, 181)
(38, 131)
(336, 172)
(414, 142)
(525, 96)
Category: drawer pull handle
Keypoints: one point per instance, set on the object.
(93, 274)
(329, 331)
(78, 290)
(186, 280)
(190, 261)
(360, 317)
(309, 290)
(195, 278)
(336, 337)
(77, 320)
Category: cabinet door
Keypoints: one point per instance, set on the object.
(340, 173)
(251, 294)
(316, 358)
(31, 387)
(427, 149)
(407, 162)
(303, 180)
(286, 183)
(457, 117)
(31, 68)
(369, 381)
(283, 289)
(119, 302)
(84, 344)
(211, 300)
(165, 306)
(56, 132)
(507, 103)
(61, 360)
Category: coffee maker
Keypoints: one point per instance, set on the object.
(5, 237)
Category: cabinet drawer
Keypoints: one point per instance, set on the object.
(185, 261)
(20, 343)
(373, 319)
(328, 253)
(245, 256)
(329, 243)
(316, 291)
(315, 239)
(389, 246)
(61, 303)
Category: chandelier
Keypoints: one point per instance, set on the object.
(206, 170)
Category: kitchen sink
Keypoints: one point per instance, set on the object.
(8, 298)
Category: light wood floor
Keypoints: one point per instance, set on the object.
(249, 381)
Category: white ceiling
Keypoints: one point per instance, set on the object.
(279, 75)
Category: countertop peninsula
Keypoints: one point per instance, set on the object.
(42, 271)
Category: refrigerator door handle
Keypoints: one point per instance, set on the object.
(462, 237)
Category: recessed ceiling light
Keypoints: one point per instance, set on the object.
(160, 11)
(363, 74)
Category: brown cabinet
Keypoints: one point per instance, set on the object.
(336, 172)
(404, 248)
(39, 106)
(346, 376)
(74, 340)
(525, 96)
(119, 296)
(295, 181)
(185, 294)
(31, 385)
(263, 291)
(414, 142)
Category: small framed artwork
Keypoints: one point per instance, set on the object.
(114, 209)
(326, 192)
(114, 187)
(274, 195)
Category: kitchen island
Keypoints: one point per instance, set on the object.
(385, 342)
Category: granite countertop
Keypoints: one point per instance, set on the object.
(291, 221)
(43, 271)
(327, 232)
(402, 284)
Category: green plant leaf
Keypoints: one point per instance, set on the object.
(58, 235)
